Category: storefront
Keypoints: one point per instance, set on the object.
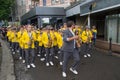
(40, 16)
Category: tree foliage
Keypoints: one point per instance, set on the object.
(5, 9)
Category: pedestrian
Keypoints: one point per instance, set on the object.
(94, 33)
(28, 39)
(59, 45)
(21, 49)
(47, 40)
(87, 42)
(70, 49)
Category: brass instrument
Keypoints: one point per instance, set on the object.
(30, 43)
(30, 40)
(49, 40)
(88, 37)
(79, 40)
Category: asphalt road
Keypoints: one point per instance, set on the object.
(99, 67)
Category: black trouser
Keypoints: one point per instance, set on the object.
(55, 49)
(10, 43)
(49, 54)
(40, 51)
(14, 46)
(66, 57)
(29, 56)
(22, 53)
(60, 55)
(87, 48)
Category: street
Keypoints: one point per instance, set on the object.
(100, 66)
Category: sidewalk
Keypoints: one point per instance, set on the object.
(7, 65)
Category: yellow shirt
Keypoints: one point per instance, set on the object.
(28, 40)
(59, 41)
(86, 36)
(39, 39)
(9, 35)
(19, 35)
(46, 41)
(13, 37)
(55, 38)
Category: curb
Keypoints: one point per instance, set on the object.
(7, 65)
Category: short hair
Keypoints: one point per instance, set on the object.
(70, 23)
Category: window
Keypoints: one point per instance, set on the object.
(44, 2)
(62, 1)
(119, 30)
(53, 2)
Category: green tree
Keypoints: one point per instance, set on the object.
(5, 9)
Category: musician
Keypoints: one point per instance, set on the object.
(70, 49)
(21, 51)
(40, 46)
(59, 45)
(87, 40)
(94, 33)
(47, 40)
(77, 29)
(55, 47)
(9, 36)
(28, 39)
(14, 40)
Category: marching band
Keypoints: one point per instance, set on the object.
(48, 43)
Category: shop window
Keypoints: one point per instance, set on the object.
(112, 28)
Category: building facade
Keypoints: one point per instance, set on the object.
(104, 14)
(23, 6)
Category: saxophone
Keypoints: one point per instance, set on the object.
(88, 37)
(79, 40)
(49, 40)
(30, 40)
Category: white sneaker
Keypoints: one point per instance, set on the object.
(23, 61)
(42, 59)
(85, 56)
(47, 64)
(74, 71)
(28, 66)
(38, 55)
(61, 63)
(88, 55)
(44, 54)
(13, 52)
(20, 58)
(17, 51)
(59, 52)
(51, 63)
(64, 74)
(33, 65)
(56, 57)
(12, 49)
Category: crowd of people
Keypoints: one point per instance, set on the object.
(48, 43)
